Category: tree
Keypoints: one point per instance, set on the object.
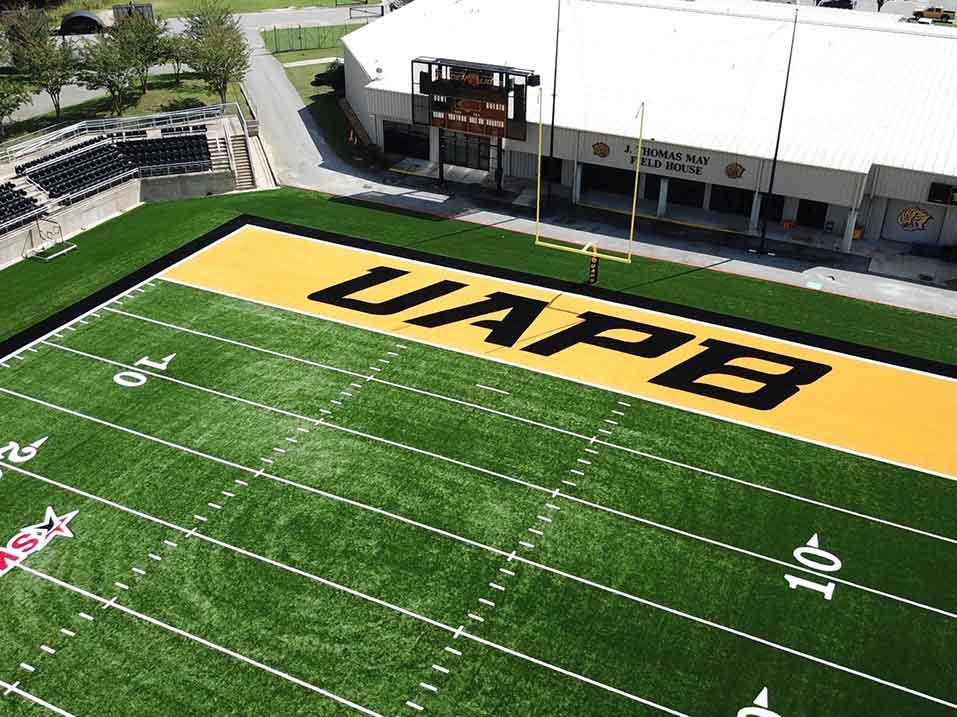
(105, 64)
(175, 51)
(49, 63)
(13, 95)
(217, 48)
(22, 28)
(143, 41)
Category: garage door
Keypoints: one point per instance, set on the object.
(913, 222)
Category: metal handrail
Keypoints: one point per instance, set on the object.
(29, 216)
(121, 124)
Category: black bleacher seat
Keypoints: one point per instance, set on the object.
(16, 208)
(92, 164)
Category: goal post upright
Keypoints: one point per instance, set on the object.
(591, 249)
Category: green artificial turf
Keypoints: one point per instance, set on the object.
(414, 501)
(32, 290)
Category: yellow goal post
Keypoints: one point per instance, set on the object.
(592, 249)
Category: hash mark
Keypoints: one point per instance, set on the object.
(444, 670)
(201, 518)
(486, 601)
(552, 506)
(613, 423)
(279, 450)
(584, 462)
(526, 544)
(111, 603)
(453, 651)
(170, 543)
(86, 617)
(138, 571)
(302, 430)
(326, 411)
(154, 556)
(506, 571)
(414, 706)
(11, 688)
(458, 632)
(121, 586)
(536, 531)
(577, 472)
(606, 432)
(384, 361)
(592, 451)
(391, 353)
(338, 403)
(266, 460)
(244, 483)
(401, 346)
(28, 668)
(289, 439)
(568, 482)
(228, 494)
(477, 618)
(47, 649)
(375, 368)
(626, 405)
(618, 413)
(427, 686)
(345, 393)
(544, 519)
(68, 633)
(215, 506)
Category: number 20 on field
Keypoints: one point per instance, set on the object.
(813, 557)
(135, 379)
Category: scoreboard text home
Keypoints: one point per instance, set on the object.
(469, 97)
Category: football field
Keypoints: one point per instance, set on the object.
(219, 503)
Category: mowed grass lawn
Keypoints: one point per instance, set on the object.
(32, 291)
(321, 102)
(282, 40)
(353, 529)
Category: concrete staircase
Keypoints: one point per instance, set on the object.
(244, 169)
(218, 154)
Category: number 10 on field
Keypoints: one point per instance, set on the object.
(813, 557)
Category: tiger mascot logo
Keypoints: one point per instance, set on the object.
(913, 219)
(600, 149)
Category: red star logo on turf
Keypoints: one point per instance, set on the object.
(53, 525)
(34, 538)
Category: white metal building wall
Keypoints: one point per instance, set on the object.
(356, 81)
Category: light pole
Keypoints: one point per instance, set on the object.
(777, 142)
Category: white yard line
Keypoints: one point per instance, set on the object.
(14, 689)
(556, 429)
(485, 471)
(195, 638)
(458, 631)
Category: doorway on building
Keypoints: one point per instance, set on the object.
(811, 214)
(731, 200)
(596, 178)
(406, 140)
(465, 150)
(686, 193)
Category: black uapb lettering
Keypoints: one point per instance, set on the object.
(775, 388)
(657, 342)
(522, 312)
(339, 294)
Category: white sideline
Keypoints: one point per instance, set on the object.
(195, 638)
(13, 689)
(539, 424)
(322, 581)
(478, 469)
(514, 557)
(582, 382)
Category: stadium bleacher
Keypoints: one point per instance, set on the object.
(91, 164)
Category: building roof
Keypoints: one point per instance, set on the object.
(864, 88)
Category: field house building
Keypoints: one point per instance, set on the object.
(867, 147)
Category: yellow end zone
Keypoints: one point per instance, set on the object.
(894, 414)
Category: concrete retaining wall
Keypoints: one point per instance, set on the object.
(183, 186)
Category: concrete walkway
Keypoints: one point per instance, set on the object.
(304, 63)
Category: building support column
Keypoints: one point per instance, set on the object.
(706, 203)
(662, 198)
(848, 239)
(577, 184)
(755, 213)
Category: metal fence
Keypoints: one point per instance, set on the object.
(286, 39)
